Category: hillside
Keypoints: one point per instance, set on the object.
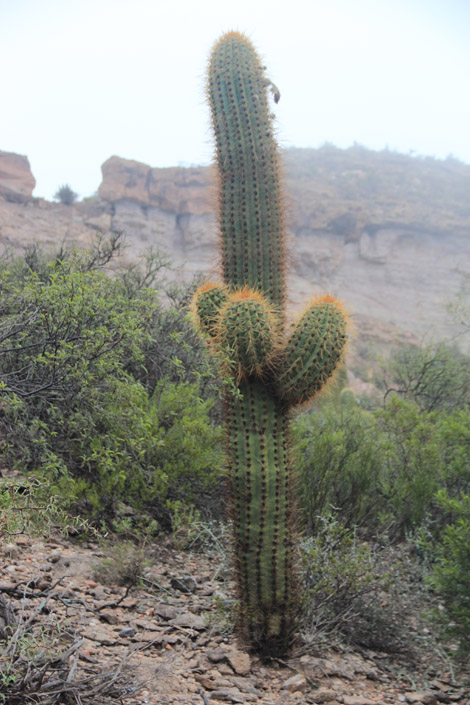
(388, 233)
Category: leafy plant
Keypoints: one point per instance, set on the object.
(85, 402)
(66, 195)
(341, 578)
(338, 461)
(124, 564)
(451, 571)
(436, 376)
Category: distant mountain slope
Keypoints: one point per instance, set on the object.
(388, 233)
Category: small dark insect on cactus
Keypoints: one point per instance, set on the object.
(244, 319)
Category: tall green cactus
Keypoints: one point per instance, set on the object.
(244, 319)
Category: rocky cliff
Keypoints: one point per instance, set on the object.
(16, 180)
(389, 234)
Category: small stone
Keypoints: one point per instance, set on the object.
(190, 620)
(426, 698)
(357, 700)
(11, 550)
(185, 585)
(295, 683)
(231, 694)
(128, 632)
(23, 541)
(53, 558)
(216, 655)
(322, 695)
(239, 661)
(165, 611)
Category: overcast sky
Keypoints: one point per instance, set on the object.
(82, 80)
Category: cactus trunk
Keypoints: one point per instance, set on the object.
(244, 319)
(262, 514)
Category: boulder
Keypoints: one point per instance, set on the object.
(16, 180)
(177, 190)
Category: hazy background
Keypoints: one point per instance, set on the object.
(82, 80)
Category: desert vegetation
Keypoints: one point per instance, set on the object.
(111, 424)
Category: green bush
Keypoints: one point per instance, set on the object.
(451, 571)
(94, 396)
(66, 195)
(412, 467)
(436, 376)
(338, 462)
(380, 470)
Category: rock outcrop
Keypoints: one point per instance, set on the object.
(389, 234)
(16, 180)
(178, 190)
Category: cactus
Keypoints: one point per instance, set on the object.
(244, 320)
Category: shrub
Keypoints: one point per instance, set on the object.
(83, 402)
(380, 470)
(124, 565)
(436, 377)
(66, 195)
(451, 571)
(337, 462)
(412, 466)
(342, 577)
(27, 506)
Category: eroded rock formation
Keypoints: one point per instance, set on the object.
(390, 234)
(16, 180)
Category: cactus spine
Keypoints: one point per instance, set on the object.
(244, 318)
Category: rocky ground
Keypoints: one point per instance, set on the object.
(168, 638)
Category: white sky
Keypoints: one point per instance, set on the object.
(82, 80)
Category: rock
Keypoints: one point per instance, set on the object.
(174, 189)
(165, 611)
(295, 683)
(321, 695)
(356, 700)
(54, 558)
(23, 541)
(16, 180)
(10, 550)
(233, 695)
(189, 620)
(128, 632)
(239, 661)
(185, 585)
(216, 655)
(427, 698)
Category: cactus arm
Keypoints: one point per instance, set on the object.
(313, 351)
(247, 333)
(207, 302)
